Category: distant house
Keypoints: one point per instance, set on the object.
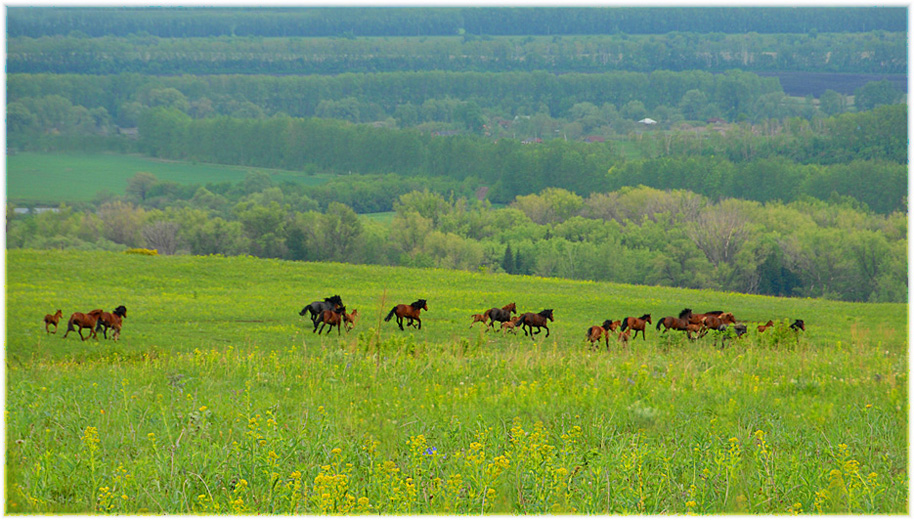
(595, 139)
(132, 133)
(531, 140)
(716, 121)
(648, 121)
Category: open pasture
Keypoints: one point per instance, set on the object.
(219, 399)
(34, 179)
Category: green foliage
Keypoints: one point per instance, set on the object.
(218, 399)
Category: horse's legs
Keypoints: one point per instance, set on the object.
(547, 330)
(419, 322)
(400, 322)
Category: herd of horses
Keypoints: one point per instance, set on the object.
(95, 320)
(331, 311)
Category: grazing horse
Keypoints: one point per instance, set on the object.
(52, 318)
(680, 323)
(330, 317)
(502, 315)
(82, 321)
(315, 308)
(636, 324)
(530, 320)
(410, 312)
(600, 331)
(477, 318)
(350, 319)
(763, 328)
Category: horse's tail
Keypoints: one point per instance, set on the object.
(486, 314)
(659, 323)
(391, 313)
(589, 330)
(624, 324)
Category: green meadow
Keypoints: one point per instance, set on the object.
(47, 179)
(218, 398)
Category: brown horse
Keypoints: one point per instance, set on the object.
(671, 322)
(511, 325)
(502, 315)
(330, 317)
(763, 328)
(636, 324)
(600, 331)
(698, 318)
(350, 319)
(52, 318)
(528, 320)
(105, 319)
(477, 318)
(82, 321)
(410, 312)
(715, 322)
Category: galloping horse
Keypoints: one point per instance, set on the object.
(600, 331)
(763, 328)
(315, 308)
(636, 324)
(477, 318)
(52, 318)
(82, 321)
(680, 323)
(530, 320)
(330, 317)
(697, 318)
(105, 319)
(798, 325)
(715, 322)
(349, 319)
(502, 315)
(410, 312)
(511, 325)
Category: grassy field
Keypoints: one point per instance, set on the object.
(47, 179)
(219, 399)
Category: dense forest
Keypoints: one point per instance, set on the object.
(652, 146)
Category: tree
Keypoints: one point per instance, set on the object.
(832, 103)
(508, 262)
(138, 186)
(161, 236)
(876, 93)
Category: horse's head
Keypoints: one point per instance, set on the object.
(727, 317)
(335, 300)
(419, 304)
(547, 313)
(646, 317)
(121, 311)
(685, 313)
(608, 324)
(511, 308)
(798, 325)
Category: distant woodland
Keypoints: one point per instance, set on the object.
(645, 145)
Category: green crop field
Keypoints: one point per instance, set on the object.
(49, 179)
(218, 398)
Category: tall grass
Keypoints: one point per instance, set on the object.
(218, 399)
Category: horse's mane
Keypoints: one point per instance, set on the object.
(607, 324)
(714, 313)
(545, 312)
(685, 312)
(334, 299)
(646, 316)
(418, 304)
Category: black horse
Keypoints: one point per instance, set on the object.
(503, 314)
(539, 319)
(332, 303)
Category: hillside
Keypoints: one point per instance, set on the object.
(219, 399)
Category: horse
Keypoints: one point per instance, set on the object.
(82, 321)
(315, 308)
(410, 312)
(680, 323)
(511, 325)
(798, 325)
(349, 319)
(52, 318)
(763, 328)
(330, 317)
(600, 331)
(636, 324)
(715, 322)
(502, 315)
(477, 318)
(530, 320)
(697, 318)
(104, 319)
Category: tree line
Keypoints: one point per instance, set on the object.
(876, 52)
(388, 21)
(636, 235)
